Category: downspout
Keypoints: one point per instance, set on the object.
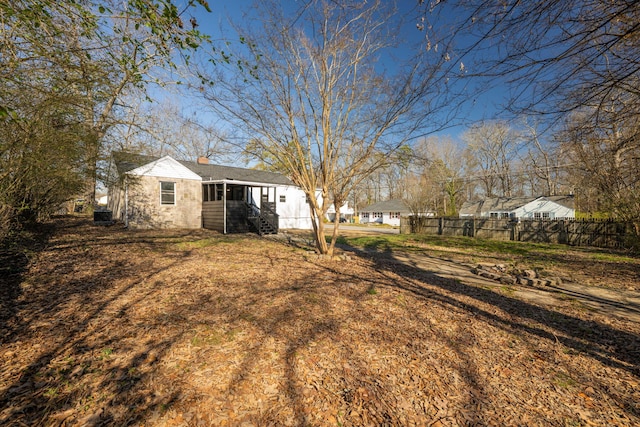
(224, 207)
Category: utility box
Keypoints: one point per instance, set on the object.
(102, 217)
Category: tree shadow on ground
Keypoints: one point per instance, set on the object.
(611, 346)
(70, 354)
(162, 333)
(15, 253)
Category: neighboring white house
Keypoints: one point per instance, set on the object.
(544, 207)
(151, 192)
(387, 212)
(345, 212)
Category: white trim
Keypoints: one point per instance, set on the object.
(165, 167)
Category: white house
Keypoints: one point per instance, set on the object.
(544, 207)
(345, 212)
(387, 212)
(151, 192)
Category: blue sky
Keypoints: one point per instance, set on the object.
(216, 24)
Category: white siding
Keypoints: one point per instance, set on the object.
(542, 205)
(165, 167)
(386, 219)
(294, 211)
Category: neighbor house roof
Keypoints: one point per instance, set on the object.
(505, 204)
(567, 201)
(126, 162)
(509, 204)
(395, 205)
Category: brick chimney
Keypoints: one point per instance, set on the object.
(202, 160)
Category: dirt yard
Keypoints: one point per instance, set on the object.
(104, 326)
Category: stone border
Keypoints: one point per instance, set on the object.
(522, 277)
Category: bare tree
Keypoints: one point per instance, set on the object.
(561, 60)
(494, 147)
(320, 103)
(444, 166)
(607, 162)
(545, 163)
(556, 55)
(161, 129)
(421, 193)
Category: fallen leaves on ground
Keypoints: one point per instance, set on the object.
(106, 326)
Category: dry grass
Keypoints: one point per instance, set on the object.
(165, 328)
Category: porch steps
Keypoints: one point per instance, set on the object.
(264, 226)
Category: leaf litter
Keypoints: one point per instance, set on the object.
(107, 326)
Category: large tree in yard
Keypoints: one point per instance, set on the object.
(66, 67)
(327, 103)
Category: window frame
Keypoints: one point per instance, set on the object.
(165, 192)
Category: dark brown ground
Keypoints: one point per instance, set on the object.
(165, 328)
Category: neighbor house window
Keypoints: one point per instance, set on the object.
(377, 214)
(365, 215)
(537, 215)
(493, 214)
(546, 215)
(505, 215)
(167, 193)
(283, 199)
(394, 215)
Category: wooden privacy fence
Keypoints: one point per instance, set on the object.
(605, 234)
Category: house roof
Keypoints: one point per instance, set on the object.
(567, 201)
(395, 205)
(509, 204)
(126, 162)
(219, 173)
(505, 204)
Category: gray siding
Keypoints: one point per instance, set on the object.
(213, 215)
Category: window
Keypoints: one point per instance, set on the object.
(377, 214)
(537, 215)
(283, 198)
(365, 215)
(504, 215)
(167, 193)
(546, 215)
(493, 214)
(394, 215)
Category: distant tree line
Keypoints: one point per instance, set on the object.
(304, 92)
